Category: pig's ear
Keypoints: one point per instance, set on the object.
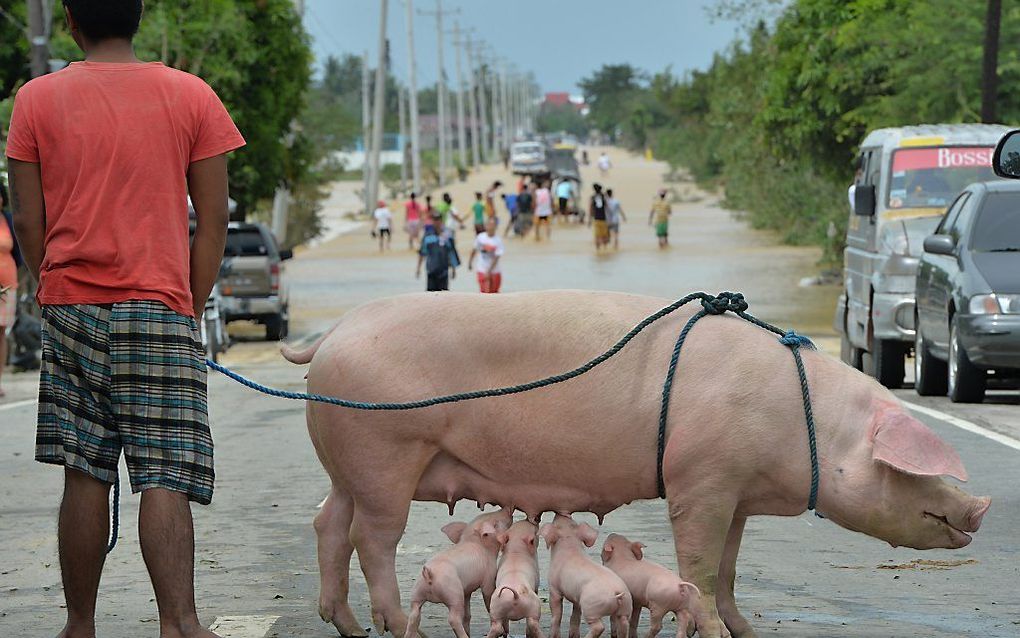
(636, 548)
(587, 534)
(548, 534)
(905, 444)
(454, 531)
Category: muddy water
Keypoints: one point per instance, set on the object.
(710, 250)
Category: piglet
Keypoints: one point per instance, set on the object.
(594, 590)
(454, 574)
(651, 585)
(516, 596)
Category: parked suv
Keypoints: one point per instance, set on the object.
(255, 288)
(906, 178)
(968, 295)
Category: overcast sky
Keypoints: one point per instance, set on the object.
(561, 41)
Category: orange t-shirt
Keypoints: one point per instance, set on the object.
(114, 142)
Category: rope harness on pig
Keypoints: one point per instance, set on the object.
(711, 305)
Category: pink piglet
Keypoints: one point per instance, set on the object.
(651, 585)
(516, 596)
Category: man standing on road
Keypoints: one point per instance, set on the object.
(615, 216)
(598, 212)
(661, 210)
(525, 212)
(412, 219)
(446, 208)
(488, 250)
(543, 211)
(478, 211)
(604, 165)
(382, 220)
(103, 156)
(439, 253)
(564, 191)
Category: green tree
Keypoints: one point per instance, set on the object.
(553, 118)
(609, 92)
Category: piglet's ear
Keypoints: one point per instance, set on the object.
(636, 548)
(454, 531)
(905, 444)
(587, 534)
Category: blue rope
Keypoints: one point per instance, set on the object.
(711, 305)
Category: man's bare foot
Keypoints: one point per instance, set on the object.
(73, 632)
(200, 632)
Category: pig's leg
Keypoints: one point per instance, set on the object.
(495, 628)
(655, 615)
(556, 607)
(456, 618)
(575, 621)
(381, 505)
(724, 600)
(533, 630)
(414, 619)
(467, 611)
(333, 528)
(635, 618)
(699, 533)
(595, 627)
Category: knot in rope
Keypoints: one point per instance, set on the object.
(731, 301)
(791, 339)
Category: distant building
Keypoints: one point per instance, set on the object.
(562, 99)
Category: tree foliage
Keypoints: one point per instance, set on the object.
(554, 118)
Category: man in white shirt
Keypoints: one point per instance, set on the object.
(382, 221)
(543, 211)
(604, 164)
(485, 258)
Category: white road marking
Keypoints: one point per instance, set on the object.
(965, 425)
(243, 626)
(17, 404)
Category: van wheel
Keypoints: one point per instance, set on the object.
(966, 381)
(886, 362)
(931, 376)
(277, 327)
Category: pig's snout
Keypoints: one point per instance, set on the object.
(977, 513)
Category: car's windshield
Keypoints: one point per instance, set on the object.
(933, 177)
(527, 149)
(997, 227)
(245, 243)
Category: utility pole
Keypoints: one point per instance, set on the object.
(366, 132)
(404, 144)
(990, 71)
(504, 93)
(461, 143)
(413, 91)
(379, 113)
(472, 103)
(482, 110)
(443, 127)
(281, 197)
(39, 37)
(494, 88)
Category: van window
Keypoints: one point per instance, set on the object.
(998, 224)
(932, 176)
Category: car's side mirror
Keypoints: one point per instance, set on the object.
(286, 254)
(939, 244)
(864, 200)
(1006, 160)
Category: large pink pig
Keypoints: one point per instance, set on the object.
(736, 443)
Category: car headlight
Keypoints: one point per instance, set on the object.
(993, 304)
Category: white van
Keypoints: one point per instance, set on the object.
(905, 180)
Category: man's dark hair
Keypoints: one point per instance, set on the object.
(106, 19)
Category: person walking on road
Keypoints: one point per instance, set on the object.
(412, 219)
(439, 254)
(543, 211)
(661, 211)
(604, 165)
(564, 191)
(485, 258)
(448, 212)
(510, 201)
(103, 155)
(8, 281)
(525, 212)
(382, 221)
(614, 217)
(478, 211)
(598, 215)
(490, 199)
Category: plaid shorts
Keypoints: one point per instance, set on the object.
(126, 375)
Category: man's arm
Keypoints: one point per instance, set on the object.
(207, 184)
(29, 211)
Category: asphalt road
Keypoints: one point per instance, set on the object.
(256, 560)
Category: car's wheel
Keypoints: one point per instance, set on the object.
(966, 381)
(887, 362)
(277, 327)
(931, 376)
